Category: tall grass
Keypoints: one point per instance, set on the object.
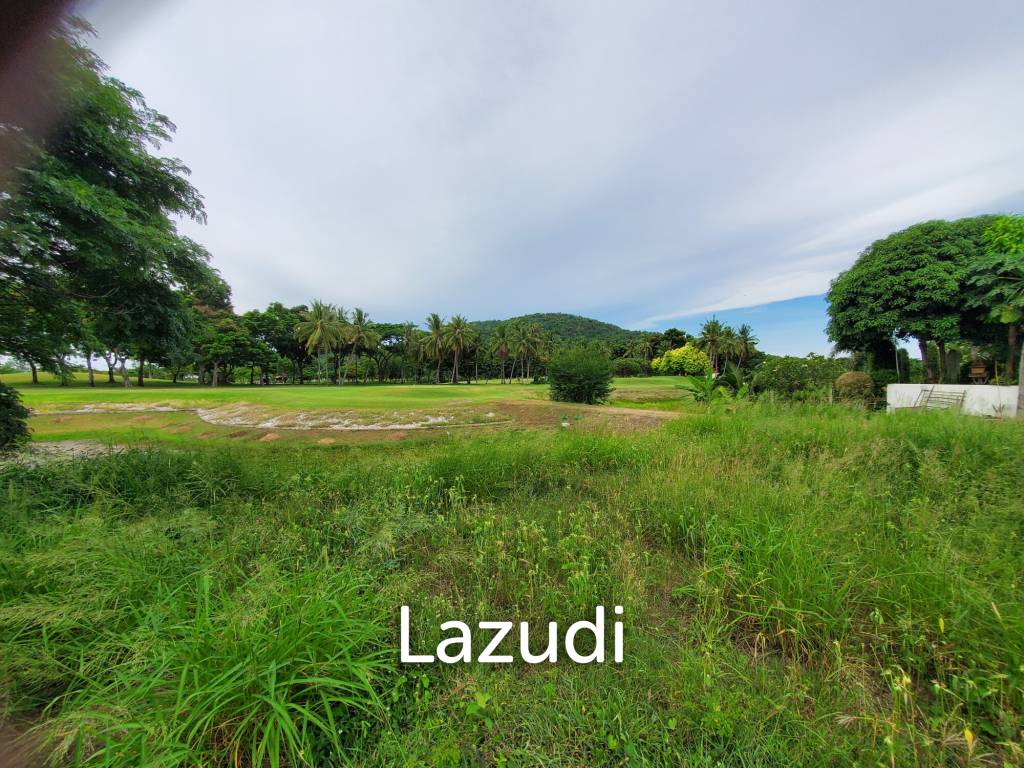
(803, 585)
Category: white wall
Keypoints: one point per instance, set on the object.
(980, 400)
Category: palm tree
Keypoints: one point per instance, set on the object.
(322, 328)
(360, 335)
(710, 340)
(519, 344)
(409, 345)
(746, 344)
(457, 336)
(500, 345)
(434, 342)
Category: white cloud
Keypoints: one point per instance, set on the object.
(643, 160)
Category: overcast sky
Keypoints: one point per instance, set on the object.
(645, 163)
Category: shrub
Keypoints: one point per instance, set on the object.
(798, 378)
(855, 386)
(631, 366)
(13, 419)
(580, 376)
(683, 361)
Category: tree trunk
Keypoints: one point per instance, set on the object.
(926, 363)
(88, 367)
(216, 372)
(438, 379)
(110, 371)
(344, 372)
(142, 367)
(124, 373)
(1020, 384)
(1011, 343)
(455, 369)
(35, 373)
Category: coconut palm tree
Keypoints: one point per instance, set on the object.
(500, 345)
(322, 328)
(457, 336)
(746, 344)
(519, 345)
(710, 340)
(359, 336)
(410, 345)
(434, 343)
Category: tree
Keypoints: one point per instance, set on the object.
(712, 336)
(745, 344)
(457, 335)
(87, 219)
(909, 284)
(579, 375)
(358, 335)
(500, 345)
(997, 278)
(434, 343)
(999, 275)
(322, 329)
(686, 360)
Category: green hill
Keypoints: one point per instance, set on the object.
(568, 327)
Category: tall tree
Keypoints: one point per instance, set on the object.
(457, 335)
(434, 342)
(88, 218)
(500, 345)
(712, 335)
(909, 284)
(999, 277)
(358, 335)
(321, 329)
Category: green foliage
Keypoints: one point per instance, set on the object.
(686, 360)
(777, 565)
(631, 366)
(91, 212)
(909, 284)
(566, 327)
(705, 389)
(579, 375)
(13, 419)
(855, 386)
(797, 377)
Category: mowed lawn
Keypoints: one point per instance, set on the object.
(49, 395)
(163, 412)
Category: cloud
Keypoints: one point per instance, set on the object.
(639, 162)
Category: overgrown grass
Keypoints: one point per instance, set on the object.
(802, 586)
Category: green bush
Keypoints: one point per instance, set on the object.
(798, 378)
(683, 361)
(855, 386)
(631, 366)
(580, 376)
(13, 419)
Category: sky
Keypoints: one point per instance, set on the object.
(645, 163)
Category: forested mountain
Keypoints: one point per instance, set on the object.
(566, 327)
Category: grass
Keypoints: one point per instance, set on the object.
(802, 586)
(49, 395)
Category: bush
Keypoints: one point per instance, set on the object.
(855, 386)
(683, 361)
(631, 366)
(13, 419)
(798, 378)
(580, 376)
